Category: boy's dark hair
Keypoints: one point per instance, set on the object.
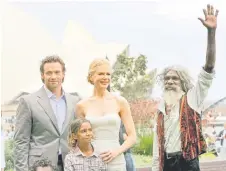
(42, 163)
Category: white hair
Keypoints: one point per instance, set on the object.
(186, 79)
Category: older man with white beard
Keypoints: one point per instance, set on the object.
(178, 139)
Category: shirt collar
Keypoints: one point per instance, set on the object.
(50, 94)
(78, 152)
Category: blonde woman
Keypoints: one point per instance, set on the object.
(106, 111)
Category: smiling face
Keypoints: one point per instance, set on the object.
(172, 81)
(52, 75)
(102, 76)
(172, 88)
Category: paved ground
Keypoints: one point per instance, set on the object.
(215, 165)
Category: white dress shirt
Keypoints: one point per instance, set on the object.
(59, 107)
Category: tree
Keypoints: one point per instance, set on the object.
(130, 77)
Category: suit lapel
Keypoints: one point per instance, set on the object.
(69, 112)
(45, 104)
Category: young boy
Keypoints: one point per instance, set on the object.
(82, 156)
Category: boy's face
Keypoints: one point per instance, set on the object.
(85, 133)
(44, 169)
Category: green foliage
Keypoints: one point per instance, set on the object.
(142, 160)
(9, 159)
(144, 146)
(130, 77)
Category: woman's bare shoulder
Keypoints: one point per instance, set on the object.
(119, 98)
(81, 107)
(82, 103)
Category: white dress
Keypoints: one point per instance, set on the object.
(106, 137)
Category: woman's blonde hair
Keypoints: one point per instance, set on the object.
(73, 130)
(93, 66)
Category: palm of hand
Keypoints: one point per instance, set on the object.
(210, 22)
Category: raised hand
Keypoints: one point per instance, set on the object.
(210, 21)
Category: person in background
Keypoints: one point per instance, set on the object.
(11, 133)
(43, 165)
(130, 166)
(222, 138)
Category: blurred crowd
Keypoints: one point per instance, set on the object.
(216, 141)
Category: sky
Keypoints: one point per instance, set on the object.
(166, 31)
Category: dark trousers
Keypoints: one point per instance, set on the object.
(178, 163)
(60, 165)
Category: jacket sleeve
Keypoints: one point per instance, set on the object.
(22, 136)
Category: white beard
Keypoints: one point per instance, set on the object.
(172, 97)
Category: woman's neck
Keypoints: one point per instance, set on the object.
(98, 92)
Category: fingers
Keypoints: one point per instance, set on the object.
(205, 13)
(208, 9)
(211, 10)
(106, 156)
(107, 159)
(104, 153)
(202, 20)
(216, 13)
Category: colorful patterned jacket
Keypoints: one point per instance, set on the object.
(192, 140)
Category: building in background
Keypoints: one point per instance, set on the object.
(26, 41)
